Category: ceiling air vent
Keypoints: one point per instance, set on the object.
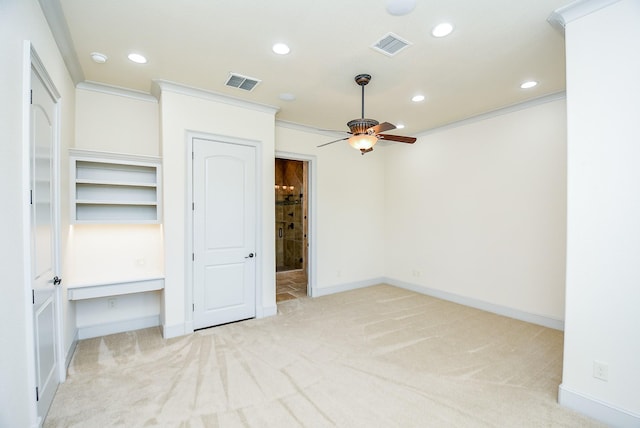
(241, 82)
(390, 44)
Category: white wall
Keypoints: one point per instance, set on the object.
(115, 120)
(478, 211)
(603, 244)
(22, 20)
(181, 113)
(350, 211)
(112, 120)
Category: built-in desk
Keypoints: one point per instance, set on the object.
(112, 288)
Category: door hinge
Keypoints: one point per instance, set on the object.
(193, 257)
(193, 307)
(31, 96)
(33, 296)
(193, 155)
(31, 197)
(193, 206)
(37, 394)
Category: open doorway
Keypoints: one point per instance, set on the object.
(291, 228)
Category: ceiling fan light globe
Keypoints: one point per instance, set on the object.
(360, 142)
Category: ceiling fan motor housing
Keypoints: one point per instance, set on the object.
(360, 126)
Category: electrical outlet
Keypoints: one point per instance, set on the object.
(112, 303)
(601, 370)
(338, 273)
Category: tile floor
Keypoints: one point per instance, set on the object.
(290, 285)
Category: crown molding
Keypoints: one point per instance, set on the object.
(498, 112)
(560, 17)
(310, 129)
(116, 90)
(158, 86)
(57, 23)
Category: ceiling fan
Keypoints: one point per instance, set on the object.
(366, 132)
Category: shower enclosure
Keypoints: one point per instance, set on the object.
(290, 215)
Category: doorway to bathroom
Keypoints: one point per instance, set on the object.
(291, 228)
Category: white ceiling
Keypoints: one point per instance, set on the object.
(496, 45)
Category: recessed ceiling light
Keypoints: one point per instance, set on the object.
(137, 58)
(281, 49)
(286, 96)
(417, 98)
(529, 84)
(98, 57)
(399, 126)
(441, 30)
(400, 7)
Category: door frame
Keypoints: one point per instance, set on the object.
(31, 60)
(311, 215)
(188, 289)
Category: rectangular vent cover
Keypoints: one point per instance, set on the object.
(390, 44)
(242, 82)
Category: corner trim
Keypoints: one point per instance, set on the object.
(560, 17)
(159, 86)
(596, 409)
(118, 327)
(479, 304)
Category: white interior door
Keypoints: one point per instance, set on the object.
(43, 245)
(224, 232)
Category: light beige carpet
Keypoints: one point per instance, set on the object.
(374, 357)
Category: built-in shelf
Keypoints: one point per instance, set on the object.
(107, 289)
(114, 187)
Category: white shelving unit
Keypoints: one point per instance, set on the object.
(114, 187)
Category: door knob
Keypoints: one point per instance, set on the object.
(250, 256)
(57, 280)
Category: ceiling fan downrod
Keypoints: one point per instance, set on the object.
(362, 80)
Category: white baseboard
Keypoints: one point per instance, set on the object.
(267, 311)
(479, 304)
(596, 409)
(71, 350)
(176, 330)
(118, 327)
(325, 291)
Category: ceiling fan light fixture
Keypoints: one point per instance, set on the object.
(417, 98)
(363, 141)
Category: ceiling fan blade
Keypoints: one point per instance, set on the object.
(363, 151)
(385, 126)
(398, 138)
(334, 141)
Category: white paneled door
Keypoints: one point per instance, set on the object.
(224, 232)
(43, 245)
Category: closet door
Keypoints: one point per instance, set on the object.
(224, 227)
